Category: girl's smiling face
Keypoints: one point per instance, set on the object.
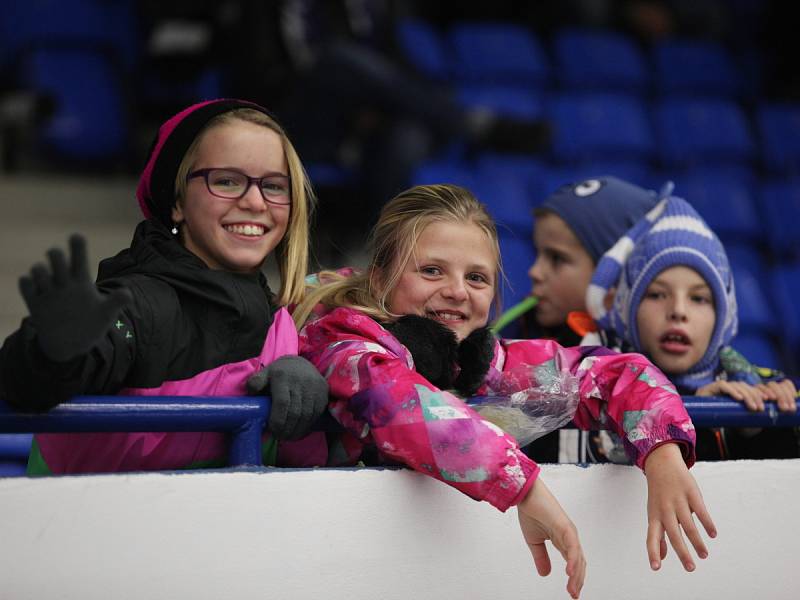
(450, 277)
(676, 319)
(234, 235)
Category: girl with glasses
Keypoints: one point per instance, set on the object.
(186, 309)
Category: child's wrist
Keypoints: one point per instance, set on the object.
(665, 452)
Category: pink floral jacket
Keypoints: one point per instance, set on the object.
(380, 399)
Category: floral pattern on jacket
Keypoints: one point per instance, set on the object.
(380, 399)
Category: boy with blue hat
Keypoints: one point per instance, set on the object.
(674, 301)
(573, 227)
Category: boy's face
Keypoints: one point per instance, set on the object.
(561, 273)
(676, 319)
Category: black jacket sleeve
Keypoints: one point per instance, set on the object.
(29, 381)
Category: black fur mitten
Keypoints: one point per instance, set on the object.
(475, 353)
(433, 347)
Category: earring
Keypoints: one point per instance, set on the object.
(174, 229)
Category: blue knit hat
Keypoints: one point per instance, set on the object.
(600, 210)
(671, 234)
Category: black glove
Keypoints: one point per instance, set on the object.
(433, 347)
(68, 311)
(475, 354)
(299, 395)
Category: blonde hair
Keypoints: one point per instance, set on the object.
(391, 245)
(292, 251)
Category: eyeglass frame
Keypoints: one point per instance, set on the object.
(250, 182)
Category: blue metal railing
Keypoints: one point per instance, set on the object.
(721, 411)
(244, 417)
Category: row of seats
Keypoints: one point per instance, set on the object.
(81, 55)
(575, 57)
(682, 103)
(676, 132)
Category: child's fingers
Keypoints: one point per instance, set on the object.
(58, 266)
(691, 531)
(679, 545)
(754, 395)
(41, 278)
(767, 390)
(656, 545)
(28, 290)
(698, 507)
(749, 395)
(786, 395)
(569, 545)
(541, 558)
(576, 569)
(727, 388)
(79, 263)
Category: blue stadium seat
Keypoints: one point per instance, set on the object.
(756, 315)
(499, 53)
(780, 202)
(600, 126)
(725, 202)
(786, 291)
(510, 101)
(443, 171)
(779, 129)
(508, 202)
(588, 59)
(90, 122)
(518, 256)
(745, 256)
(323, 174)
(694, 131)
(99, 23)
(759, 350)
(523, 169)
(424, 47)
(168, 92)
(696, 67)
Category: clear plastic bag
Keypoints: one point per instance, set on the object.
(531, 402)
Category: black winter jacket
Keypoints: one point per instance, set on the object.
(185, 319)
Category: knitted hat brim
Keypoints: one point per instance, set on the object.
(156, 189)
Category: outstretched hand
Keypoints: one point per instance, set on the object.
(541, 518)
(68, 311)
(672, 497)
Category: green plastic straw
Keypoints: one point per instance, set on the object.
(514, 313)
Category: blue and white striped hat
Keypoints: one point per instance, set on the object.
(671, 234)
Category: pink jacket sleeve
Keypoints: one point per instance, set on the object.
(625, 393)
(378, 397)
